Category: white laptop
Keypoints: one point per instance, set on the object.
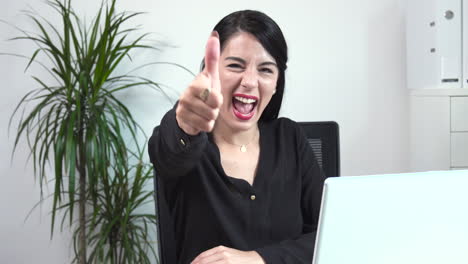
(406, 218)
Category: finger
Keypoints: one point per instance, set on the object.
(212, 53)
(215, 99)
(198, 86)
(209, 252)
(195, 121)
(201, 109)
(215, 258)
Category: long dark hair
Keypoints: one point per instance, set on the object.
(269, 34)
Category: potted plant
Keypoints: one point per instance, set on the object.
(77, 125)
(117, 229)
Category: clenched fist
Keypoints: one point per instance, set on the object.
(222, 255)
(199, 104)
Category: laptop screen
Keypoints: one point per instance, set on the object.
(399, 218)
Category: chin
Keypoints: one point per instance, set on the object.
(236, 123)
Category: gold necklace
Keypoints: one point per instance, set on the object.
(243, 147)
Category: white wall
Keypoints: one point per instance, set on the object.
(347, 63)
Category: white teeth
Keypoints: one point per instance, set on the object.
(245, 100)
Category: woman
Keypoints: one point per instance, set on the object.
(241, 184)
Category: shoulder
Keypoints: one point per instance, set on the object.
(285, 129)
(282, 124)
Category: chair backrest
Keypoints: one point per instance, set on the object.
(165, 228)
(324, 139)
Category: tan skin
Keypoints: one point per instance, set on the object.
(243, 67)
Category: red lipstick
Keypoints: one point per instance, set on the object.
(243, 115)
(246, 96)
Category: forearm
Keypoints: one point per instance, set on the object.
(172, 151)
(299, 250)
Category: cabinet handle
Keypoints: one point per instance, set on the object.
(451, 80)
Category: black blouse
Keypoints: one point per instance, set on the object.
(277, 216)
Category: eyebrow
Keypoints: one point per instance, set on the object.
(240, 60)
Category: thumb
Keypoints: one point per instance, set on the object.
(212, 53)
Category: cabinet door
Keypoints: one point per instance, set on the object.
(430, 133)
(422, 64)
(459, 149)
(465, 44)
(459, 114)
(434, 43)
(449, 42)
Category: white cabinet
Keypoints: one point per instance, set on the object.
(436, 54)
(459, 114)
(459, 132)
(439, 129)
(429, 132)
(458, 151)
(437, 76)
(465, 43)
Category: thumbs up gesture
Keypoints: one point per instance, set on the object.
(199, 104)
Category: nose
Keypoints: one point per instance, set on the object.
(250, 79)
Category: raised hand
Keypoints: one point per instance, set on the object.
(199, 104)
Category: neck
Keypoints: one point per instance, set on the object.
(223, 133)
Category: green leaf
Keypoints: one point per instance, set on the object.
(32, 59)
(75, 123)
(70, 156)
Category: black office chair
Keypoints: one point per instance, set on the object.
(165, 227)
(323, 137)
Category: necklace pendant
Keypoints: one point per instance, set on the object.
(243, 148)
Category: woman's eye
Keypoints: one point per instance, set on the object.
(267, 70)
(234, 65)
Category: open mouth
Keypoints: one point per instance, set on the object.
(244, 106)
